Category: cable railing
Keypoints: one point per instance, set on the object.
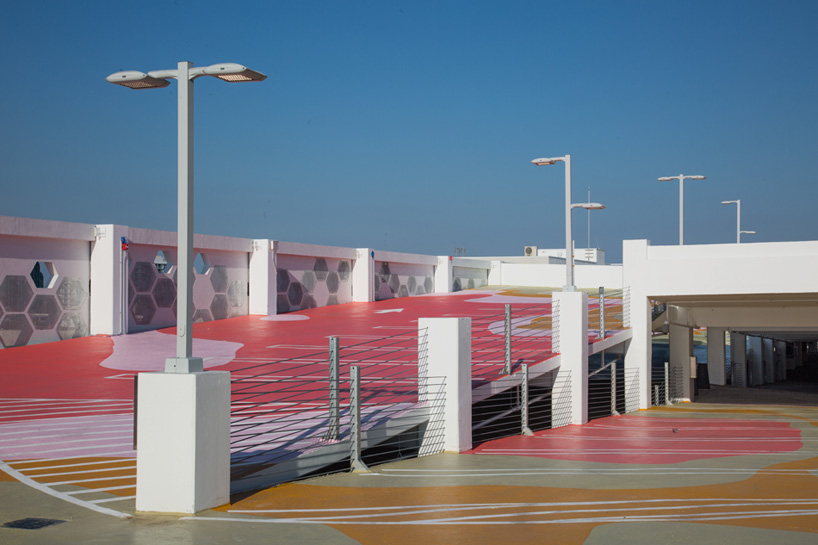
(607, 313)
(333, 410)
(659, 384)
(612, 388)
(502, 343)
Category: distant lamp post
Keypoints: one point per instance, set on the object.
(185, 73)
(681, 178)
(739, 232)
(569, 244)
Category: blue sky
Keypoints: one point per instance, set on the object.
(410, 126)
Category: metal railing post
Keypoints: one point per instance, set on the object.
(334, 425)
(614, 412)
(601, 313)
(525, 430)
(507, 366)
(667, 384)
(656, 395)
(355, 461)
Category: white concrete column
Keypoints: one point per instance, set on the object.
(448, 352)
(638, 351)
(716, 365)
(768, 360)
(263, 278)
(183, 435)
(681, 350)
(755, 365)
(738, 358)
(443, 274)
(496, 273)
(363, 276)
(109, 281)
(573, 333)
(780, 352)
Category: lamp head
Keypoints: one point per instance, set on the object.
(232, 72)
(546, 160)
(667, 178)
(729, 202)
(696, 177)
(588, 205)
(133, 79)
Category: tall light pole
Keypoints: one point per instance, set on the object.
(681, 178)
(739, 232)
(184, 74)
(569, 250)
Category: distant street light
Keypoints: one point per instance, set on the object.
(739, 232)
(569, 243)
(681, 178)
(185, 73)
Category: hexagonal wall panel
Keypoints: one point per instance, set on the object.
(308, 281)
(236, 292)
(44, 311)
(202, 315)
(295, 293)
(15, 293)
(220, 307)
(308, 302)
(72, 326)
(333, 282)
(15, 330)
(43, 274)
(428, 284)
(412, 285)
(71, 293)
(143, 309)
(344, 270)
(321, 268)
(143, 276)
(2, 312)
(282, 303)
(219, 278)
(164, 292)
(394, 282)
(282, 280)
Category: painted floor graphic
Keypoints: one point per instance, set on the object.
(66, 409)
(769, 484)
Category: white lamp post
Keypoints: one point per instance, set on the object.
(569, 250)
(185, 73)
(739, 232)
(681, 178)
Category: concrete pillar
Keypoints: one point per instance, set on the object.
(363, 276)
(109, 282)
(638, 351)
(738, 358)
(573, 334)
(448, 355)
(780, 356)
(183, 433)
(263, 278)
(496, 273)
(768, 360)
(681, 350)
(755, 366)
(716, 364)
(443, 274)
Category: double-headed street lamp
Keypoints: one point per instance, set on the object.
(184, 74)
(569, 245)
(681, 178)
(739, 232)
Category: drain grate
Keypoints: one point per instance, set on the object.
(31, 523)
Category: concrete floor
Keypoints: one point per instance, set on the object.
(749, 474)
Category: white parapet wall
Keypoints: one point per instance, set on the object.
(528, 272)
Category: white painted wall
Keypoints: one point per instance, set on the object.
(553, 276)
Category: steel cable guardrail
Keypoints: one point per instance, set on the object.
(503, 348)
(334, 410)
(612, 389)
(607, 313)
(659, 384)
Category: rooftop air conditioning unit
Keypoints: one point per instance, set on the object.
(530, 251)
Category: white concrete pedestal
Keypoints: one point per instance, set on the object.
(183, 434)
(573, 334)
(448, 349)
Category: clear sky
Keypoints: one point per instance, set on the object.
(410, 125)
